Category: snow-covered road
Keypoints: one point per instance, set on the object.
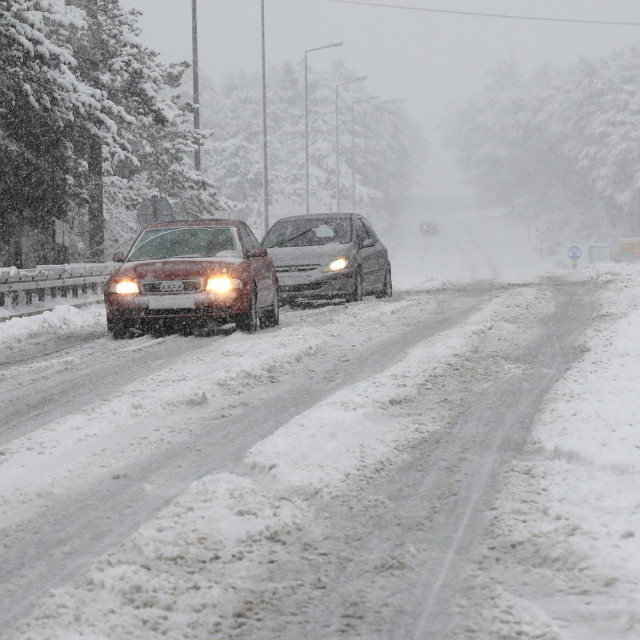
(223, 395)
(404, 468)
(365, 419)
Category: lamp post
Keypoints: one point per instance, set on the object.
(265, 164)
(306, 115)
(353, 148)
(196, 88)
(341, 84)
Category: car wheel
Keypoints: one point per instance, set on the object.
(249, 321)
(271, 318)
(356, 296)
(118, 330)
(387, 285)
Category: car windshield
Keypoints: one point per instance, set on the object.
(308, 232)
(186, 242)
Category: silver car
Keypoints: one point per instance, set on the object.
(328, 255)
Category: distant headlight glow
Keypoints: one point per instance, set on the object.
(223, 284)
(126, 287)
(338, 265)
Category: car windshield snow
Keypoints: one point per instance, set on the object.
(186, 242)
(306, 232)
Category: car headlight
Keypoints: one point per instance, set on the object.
(338, 265)
(125, 287)
(223, 284)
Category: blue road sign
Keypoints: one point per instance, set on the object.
(575, 252)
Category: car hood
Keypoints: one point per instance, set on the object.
(177, 269)
(323, 254)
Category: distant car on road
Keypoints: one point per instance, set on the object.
(328, 255)
(186, 274)
(430, 228)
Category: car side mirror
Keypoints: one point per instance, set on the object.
(368, 242)
(257, 252)
(118, 256)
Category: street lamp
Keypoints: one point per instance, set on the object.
(341, 84)
(353, 148)
(265, 165)
(306, 115)
(196, 88)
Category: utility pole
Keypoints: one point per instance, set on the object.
(196, 83)
(265, 159)
(94, 159)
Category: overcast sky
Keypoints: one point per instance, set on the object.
(433, 61)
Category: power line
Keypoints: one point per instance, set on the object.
(478, 14)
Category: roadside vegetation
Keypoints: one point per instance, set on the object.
(559, 146)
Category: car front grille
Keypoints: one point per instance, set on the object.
(294, 268)
(171, 286)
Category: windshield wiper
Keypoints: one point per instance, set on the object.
(298, 235)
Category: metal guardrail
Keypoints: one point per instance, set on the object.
(19, 286)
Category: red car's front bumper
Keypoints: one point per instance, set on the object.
(185, 307)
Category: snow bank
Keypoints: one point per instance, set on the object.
(64, 319)
(562, 555)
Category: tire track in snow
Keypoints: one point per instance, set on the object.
(68, 379)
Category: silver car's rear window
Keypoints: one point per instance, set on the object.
(308, 232)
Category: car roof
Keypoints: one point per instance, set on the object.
(205, 222)
(328, 214)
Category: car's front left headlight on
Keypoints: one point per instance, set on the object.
(125, 287)
(338, 265)
(223, 284)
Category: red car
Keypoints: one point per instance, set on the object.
(188, 274)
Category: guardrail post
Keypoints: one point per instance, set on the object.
(53, 292)
(28, 297)
(40, 293)
(74, 290)
(64, 291)
(84, 287)
(15, 298)
(1, 299)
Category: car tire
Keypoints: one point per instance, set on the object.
(117, 329)
(356, 296)
(271, 318)
(387, 285)
(248, 322)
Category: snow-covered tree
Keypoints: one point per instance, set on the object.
(42, 100)
(387, 162)
(561, 146)
(81, 98)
